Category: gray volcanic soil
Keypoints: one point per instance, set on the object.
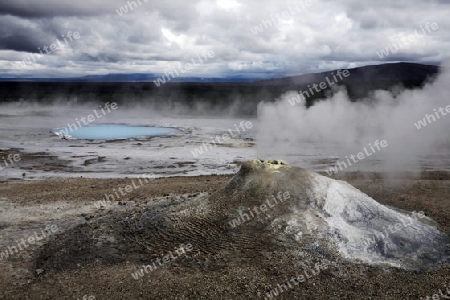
(99, 249)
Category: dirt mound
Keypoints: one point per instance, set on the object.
(268, 205)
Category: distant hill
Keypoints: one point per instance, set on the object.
(219, 93)
(386, 72)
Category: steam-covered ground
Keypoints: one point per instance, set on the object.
(25, 129)
(412, 124)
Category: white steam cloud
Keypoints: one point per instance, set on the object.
(335, 128)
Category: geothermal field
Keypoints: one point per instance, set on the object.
(224, 149)
(147, 203)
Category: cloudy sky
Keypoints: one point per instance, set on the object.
(257, 38)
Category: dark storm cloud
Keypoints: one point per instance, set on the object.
(19, 43)
(17, 35)
(54, 8)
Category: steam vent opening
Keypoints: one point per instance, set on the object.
(113, 132)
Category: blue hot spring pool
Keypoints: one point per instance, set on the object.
(113, 132)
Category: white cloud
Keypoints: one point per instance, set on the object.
(228, 4)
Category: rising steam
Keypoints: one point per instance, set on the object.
(337, 127)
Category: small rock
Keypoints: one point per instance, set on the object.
(39, 272)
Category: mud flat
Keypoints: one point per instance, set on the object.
(100, 242)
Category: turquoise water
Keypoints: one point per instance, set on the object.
(113, 132)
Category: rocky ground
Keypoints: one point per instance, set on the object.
(224, 263)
